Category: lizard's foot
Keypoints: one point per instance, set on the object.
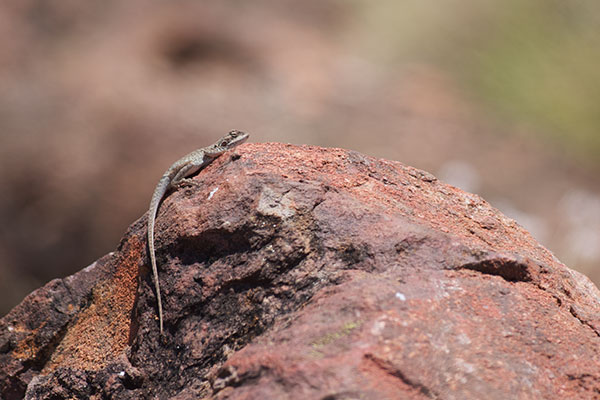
(187, 182)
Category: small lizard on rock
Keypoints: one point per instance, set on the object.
(181, 169)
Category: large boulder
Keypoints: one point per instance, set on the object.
(299, 272)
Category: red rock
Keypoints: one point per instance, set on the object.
(303, 272)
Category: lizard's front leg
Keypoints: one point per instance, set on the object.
(192, 166)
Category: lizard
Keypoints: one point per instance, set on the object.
(178, 172)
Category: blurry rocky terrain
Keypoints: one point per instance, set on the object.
(98, 98)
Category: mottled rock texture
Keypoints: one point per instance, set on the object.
(298, 272)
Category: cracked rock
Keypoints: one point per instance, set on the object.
(295, 272)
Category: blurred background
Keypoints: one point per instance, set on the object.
(97, 99)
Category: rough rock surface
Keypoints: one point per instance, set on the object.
(303, 272)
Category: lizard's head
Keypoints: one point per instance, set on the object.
(232, 139)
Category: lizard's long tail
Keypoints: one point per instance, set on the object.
(159, 192)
